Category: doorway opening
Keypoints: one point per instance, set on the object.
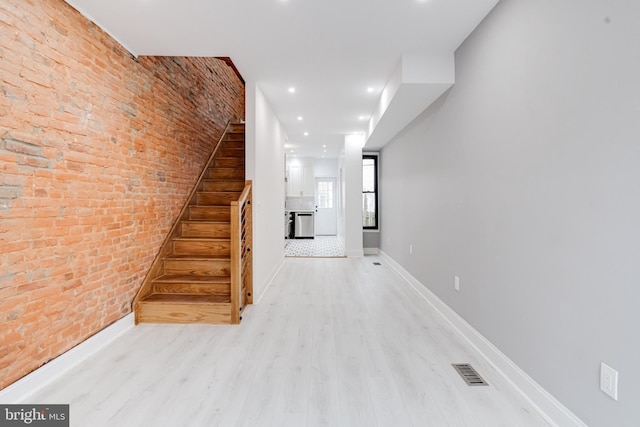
(325, 242)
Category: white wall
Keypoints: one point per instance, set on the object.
(524, 180)
(325, 168)
(265, 166)
(350, 218)
(341, 199)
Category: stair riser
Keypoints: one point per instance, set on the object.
(223, 186)
(225, 173)
(152, 312)
(232, 137)
(218, 198)
(229, 162)
(231, 152)
(181, 247)
(213, 213)
(202, 267)
(193, 288)
(216, 231)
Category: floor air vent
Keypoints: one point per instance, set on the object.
(376, 263)
(468, 374)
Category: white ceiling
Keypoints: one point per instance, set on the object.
(331, 51)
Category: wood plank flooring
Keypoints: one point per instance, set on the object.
(334, 342)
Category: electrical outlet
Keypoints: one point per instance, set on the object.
(410, 249)
(609, 380)
(456, 283)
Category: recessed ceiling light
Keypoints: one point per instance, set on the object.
(324, 145)
(306, 134)
(292, 90)
(362, 118)
(291, 151)
(370, 89)
(299, 118)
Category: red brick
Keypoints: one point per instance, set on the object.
(88, 129)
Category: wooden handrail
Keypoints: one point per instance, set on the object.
(241, 255)
(165, 249)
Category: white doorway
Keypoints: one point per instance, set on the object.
(326, 223)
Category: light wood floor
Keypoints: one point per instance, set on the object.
(334, 342)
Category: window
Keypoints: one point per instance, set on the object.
(370, 192)
(325, 194)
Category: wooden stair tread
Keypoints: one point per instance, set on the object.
(219, 207)
(201, 239)
(173, 278)
(209, 213)
(221, 187)
(205, 221)
(217, 198)
(187, 299)
(214, 207)
(210, 227)
(220, 192)
(230, 182)
(196, 257)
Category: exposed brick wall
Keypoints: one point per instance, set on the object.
(98, 152)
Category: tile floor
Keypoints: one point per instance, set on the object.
(320, 246)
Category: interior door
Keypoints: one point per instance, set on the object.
(326, 210)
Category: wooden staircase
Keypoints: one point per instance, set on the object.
(203, 271)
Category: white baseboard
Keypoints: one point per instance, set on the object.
(548, 406)
(354, 253)
(22, 389)
(371, 251)
(274, 272)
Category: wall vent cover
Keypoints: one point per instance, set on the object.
(376, 263)
(468, 374)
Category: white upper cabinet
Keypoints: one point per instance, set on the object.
(300, 179)
(294, 182)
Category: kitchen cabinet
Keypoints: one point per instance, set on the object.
(294, 181)
(308, 181)
(300, 179)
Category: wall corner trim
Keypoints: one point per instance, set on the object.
(25, 387)
(547, 406)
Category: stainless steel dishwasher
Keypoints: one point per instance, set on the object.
(304, 225)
